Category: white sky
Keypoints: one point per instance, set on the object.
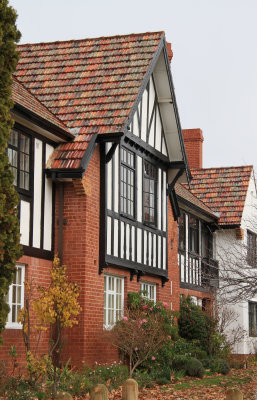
(214, 65)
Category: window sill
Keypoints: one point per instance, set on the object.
(13, 326)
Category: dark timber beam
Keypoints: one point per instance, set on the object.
(110, 153)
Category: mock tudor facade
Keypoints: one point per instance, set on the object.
(101, 191)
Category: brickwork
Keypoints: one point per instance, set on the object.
(38, 271)
(193, 139)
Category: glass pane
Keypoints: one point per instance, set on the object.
(151, 186)
(14, 170)
(118, 284)
(22, 180)
(19, 294)
(146, 185)
(110, 317)
(10, 156)
(13, 313)
(26, 145)
(18, 274)
(26, 181)
(14, 158)
(22, 164)
(151, 214)
(26, 163)
(14, 294)
(22, 143)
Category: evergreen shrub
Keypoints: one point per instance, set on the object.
(194, 368)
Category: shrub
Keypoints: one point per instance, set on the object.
(161, 375)
(194, 368)
(189, 348)
(179, 362)
(220, 366)
(112, 375)
(143, 379)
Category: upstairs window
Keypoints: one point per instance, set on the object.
(19, 154)
(127, 183)
(251, 249)
(193, 234)
(150, 190)
(182, 232)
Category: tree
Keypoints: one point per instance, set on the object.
(143, 332)
(10, 249)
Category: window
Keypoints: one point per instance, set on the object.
(113, 300)
(15, 297)
(19, 151)
(251, 249)
(252, 319)
(193, 234)
(149, 290)
(182, 232)
(206, 242)
(150, 189)
(127, 174)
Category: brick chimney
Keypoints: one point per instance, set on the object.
(170, 52)
(193, 139)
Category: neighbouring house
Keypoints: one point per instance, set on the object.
(96, 151)
(230, 192)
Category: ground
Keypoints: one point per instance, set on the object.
(211, 387)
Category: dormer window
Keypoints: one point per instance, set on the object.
(150, 190)
(19, 154)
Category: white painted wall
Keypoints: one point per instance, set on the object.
(37, 193)
(229, 251)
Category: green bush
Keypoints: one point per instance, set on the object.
(161, 375)
(194, 368)
(220, 366)
(143, 379)
(18, 389)
(179, 362)
(112, 375)
(189, 348)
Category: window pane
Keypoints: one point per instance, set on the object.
(13, 313)
(14, 294)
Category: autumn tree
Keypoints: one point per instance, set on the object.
(10, 249)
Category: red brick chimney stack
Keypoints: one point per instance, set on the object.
(193, 139)
(170, 52)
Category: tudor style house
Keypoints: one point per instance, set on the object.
(96, 152)
(231, 195)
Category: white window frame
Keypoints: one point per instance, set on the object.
(108, 324)
(9, 323)
(148, 287)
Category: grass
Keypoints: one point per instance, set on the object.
(216, 380)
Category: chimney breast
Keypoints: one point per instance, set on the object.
(193, 139)
(170, 52)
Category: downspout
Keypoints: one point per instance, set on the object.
(61, 220)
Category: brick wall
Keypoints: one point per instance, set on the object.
(193, 139)
(38, 271)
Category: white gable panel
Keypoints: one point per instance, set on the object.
(116, 180)
(144, 116)
(37, 193)
(151, 133)
(151, 98)
(135, 125)
(24, 222)
(139, 188)
(158, 138)
(164, 148)
(48, 209)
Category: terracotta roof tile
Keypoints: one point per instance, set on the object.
(90, 85)
(223, 190)
(187, 195)
(21, 96)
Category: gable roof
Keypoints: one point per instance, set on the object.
(22, 97)
(223, 190)
(89, 84)
(187, 197)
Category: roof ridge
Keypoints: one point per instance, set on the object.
(91, 38)
(234, 167)
(46, 108)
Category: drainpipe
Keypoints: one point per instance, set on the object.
(61, 220)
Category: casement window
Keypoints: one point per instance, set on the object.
(149, 290)
(15, 298)
(206, 242)
(251, 249)
(19, 154)
(182, 232)
(113, 300)
(252, 319)
(127, 182)
(193, 234)
(150, 190)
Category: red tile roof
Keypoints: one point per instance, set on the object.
(90, 84)
(185, 194)
(21, 96)
(223, 190)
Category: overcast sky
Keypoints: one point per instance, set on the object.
(214, 65)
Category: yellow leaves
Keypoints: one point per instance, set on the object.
(59, 302)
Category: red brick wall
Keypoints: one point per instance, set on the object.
(193, 139)
(37, 270)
